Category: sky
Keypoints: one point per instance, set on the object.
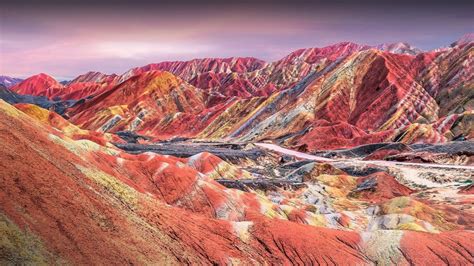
(68, 38)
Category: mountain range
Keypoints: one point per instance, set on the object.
(313, 99)
(346, 154)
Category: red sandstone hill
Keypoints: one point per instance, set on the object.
(370, 96)
(96, 77)
(139, 103)
(45, 85)
(38, 85)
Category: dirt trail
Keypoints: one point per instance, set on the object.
(413, 174)
(302, 155)
(298, 154)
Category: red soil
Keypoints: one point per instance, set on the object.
(387, 187)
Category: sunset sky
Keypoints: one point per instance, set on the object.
(67, 40)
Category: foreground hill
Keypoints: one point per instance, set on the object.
(65, 189)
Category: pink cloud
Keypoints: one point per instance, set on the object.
(66, 43)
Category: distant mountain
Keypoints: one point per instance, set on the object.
(45, 85)
(41, 101)
(93, 76)
(465, 39)
(38, 85)
(399, 48)
(9, 81)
